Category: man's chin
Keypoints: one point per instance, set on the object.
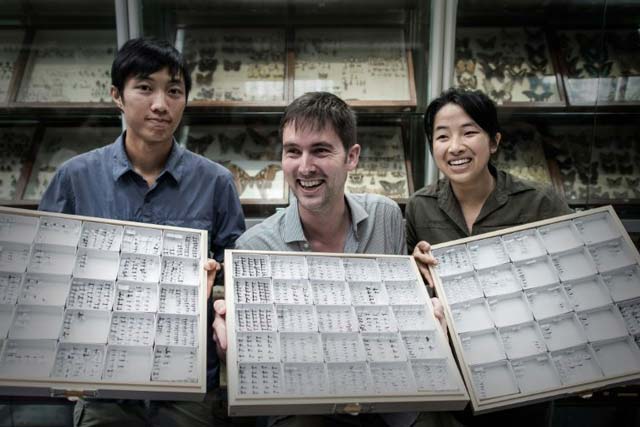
(310, 203)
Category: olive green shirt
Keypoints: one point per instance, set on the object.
(434, 214)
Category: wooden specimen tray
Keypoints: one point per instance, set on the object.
(312, 333)
(101, 308)
(548, 308)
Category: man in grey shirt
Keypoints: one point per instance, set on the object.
(318, 133)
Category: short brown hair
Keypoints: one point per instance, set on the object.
(315, 110)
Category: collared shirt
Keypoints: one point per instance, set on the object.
(433, 213)
(191, 191)
(376, 228)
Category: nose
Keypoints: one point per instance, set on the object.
(307, 164)
(159, 102)
(455, 145)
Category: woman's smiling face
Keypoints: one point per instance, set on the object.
(461, 148)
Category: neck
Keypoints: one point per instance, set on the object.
(474, 193)
(326, 230)
(147, 159)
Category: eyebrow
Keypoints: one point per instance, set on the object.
(313, 144)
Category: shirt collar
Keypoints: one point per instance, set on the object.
(293, 231)
(122, 164)
(505, 187)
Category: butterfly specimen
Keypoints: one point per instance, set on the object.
(206, 92)
(465, 69)
(267, 145)
(632, 182)
(539, 90)
(199, 145)
(614, 182)
(208, 64)
(499, 95)
(393, 188)
(356, 178)
(537, 97)
(232, 65)
(263, 180)
(234, 143)
(204, 79)
(491, 65)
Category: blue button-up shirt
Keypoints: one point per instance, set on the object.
(191, 191)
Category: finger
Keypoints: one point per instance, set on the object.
(220, 307)
(423, 246)
(438, 311)
(211, 266)
(220, 332)
(429, 278)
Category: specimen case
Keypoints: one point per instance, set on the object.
(542, 310)
(333, 333)
(101, 308)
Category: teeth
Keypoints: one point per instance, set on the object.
(459, 162)
(310, 183)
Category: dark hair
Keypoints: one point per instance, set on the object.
(315, 110)
(475, 103)
(142, 57)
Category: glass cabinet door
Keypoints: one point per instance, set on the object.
(566, 89)
(249, 60)
(55, 102)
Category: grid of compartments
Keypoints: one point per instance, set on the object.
(325, 326)
(91, 301)
(545, 308)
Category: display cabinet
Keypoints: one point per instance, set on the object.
(567, 87)
(54, 90)
(372, 54)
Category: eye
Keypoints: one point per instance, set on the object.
(291, 152)
(175, 91)
(471, 133)
(144, 87)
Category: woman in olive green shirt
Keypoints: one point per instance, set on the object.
(473, 197)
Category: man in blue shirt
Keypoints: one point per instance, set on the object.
(145, 176)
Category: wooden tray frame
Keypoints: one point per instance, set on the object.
(239, 406)
(506, 402)
(160, 390)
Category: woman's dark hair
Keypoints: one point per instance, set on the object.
(475, 103)
(315, 110)
(142, 57)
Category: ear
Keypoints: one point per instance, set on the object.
(353, 156)
(115, 95)
(493, 144)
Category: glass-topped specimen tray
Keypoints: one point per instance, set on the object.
(338, 333)
(101, 308)
(544, 309)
